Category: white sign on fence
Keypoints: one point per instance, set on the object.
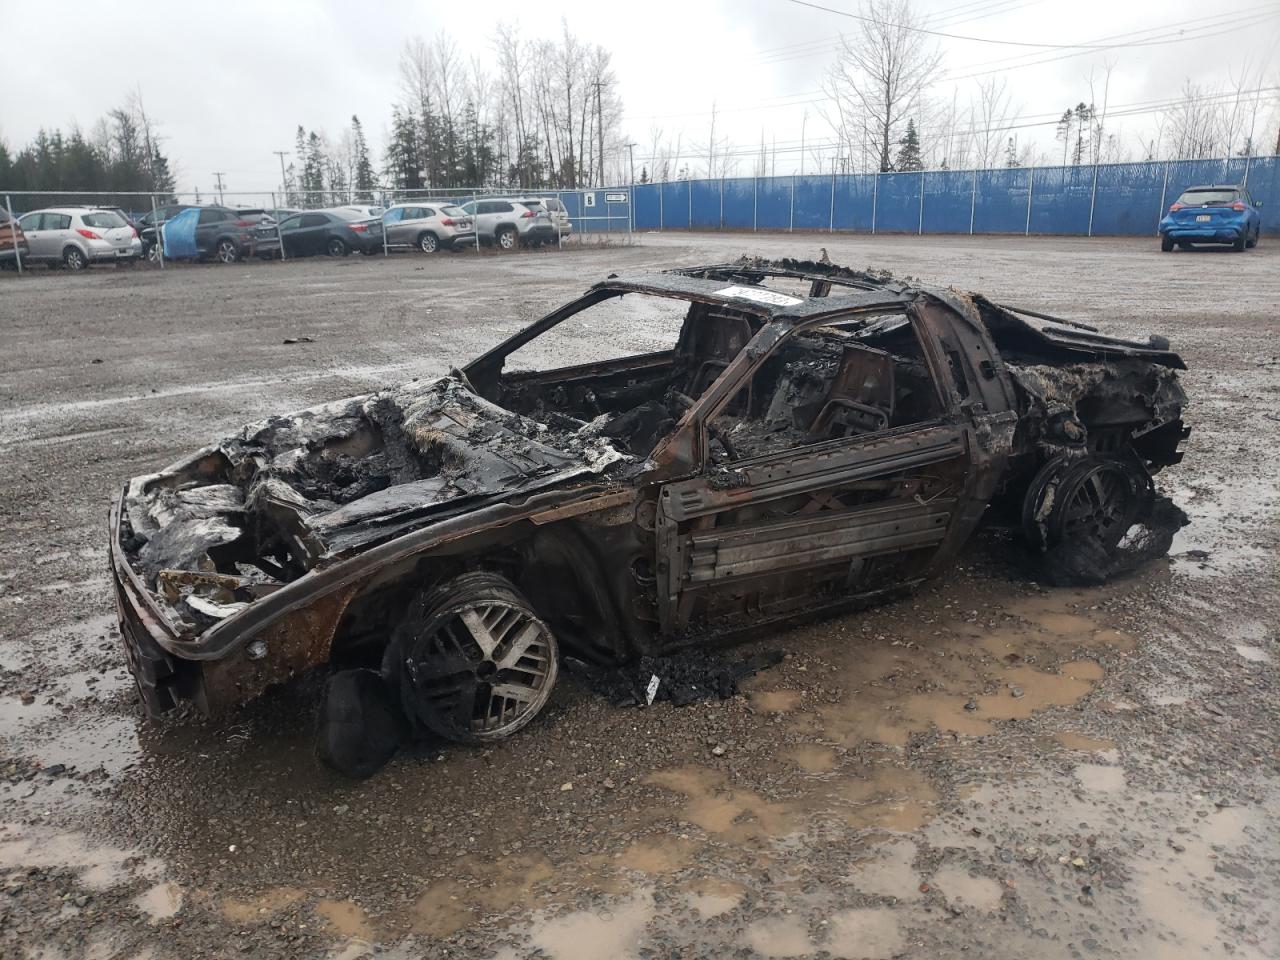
(615, 198)
(588, 199)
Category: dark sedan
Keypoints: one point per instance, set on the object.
(332, 232)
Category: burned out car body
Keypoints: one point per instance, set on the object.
(815, 439)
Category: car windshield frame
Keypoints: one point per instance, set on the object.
(90, 217)
(1217, 196)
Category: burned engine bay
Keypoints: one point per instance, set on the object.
(214, 532)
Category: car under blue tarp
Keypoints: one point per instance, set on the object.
(179, 234)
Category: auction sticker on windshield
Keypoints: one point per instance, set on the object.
(759, 296)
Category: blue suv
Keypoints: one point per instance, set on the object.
(1212, 214)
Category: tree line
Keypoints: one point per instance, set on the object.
(120, 153)
(532, 113)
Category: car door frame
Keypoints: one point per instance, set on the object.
(976, 424)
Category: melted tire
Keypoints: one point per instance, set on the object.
(473, 661)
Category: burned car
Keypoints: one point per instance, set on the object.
(765, 441)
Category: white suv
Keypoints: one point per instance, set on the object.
(78, 236)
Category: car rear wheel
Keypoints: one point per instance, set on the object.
(473, 660)
(507, 238)
(74, 258)
(428, 243)
(153, 253)
(336, 248)
(1166, 244)
(1240, 243)
(227, 251)
(1254, 242)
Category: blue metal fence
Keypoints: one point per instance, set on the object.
(1121, 199)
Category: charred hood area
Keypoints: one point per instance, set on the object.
(213, 532)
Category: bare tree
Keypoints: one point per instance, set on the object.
(993, 113)
(1194, 125)
(881, 75)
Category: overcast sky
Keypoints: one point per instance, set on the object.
(229, 83)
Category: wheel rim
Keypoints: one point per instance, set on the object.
(153, 254)
(1098, 504)
(428, 243)
(506, 241)
(227, 252)
(336, 248)
(75, 260)
(482, 669)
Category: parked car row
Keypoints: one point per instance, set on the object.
(77, 236)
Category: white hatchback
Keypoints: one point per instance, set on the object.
(78, 236)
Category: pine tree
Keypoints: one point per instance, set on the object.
(364, 184)
(644, 174)
(1011, 153)
(313, 171)
(909, 150)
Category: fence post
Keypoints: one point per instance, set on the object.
(875, 196)
(973, 200)
(722, 203)
(475, 222)
(159, 244)
(1164, 189)
(13, 231)
(275, 215)
(1093, 196)
(831, 219)
(1031, 189)
(688, 190)
(791, 226)
(385, 205)
(662, 221)
(631, 215)
(920, 222)
(755, 194)
(1245, 183)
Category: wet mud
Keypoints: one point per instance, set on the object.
(989, 767)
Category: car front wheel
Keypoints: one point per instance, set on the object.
(227, 252)
(428, 243)
(507, 238)
(473, 661)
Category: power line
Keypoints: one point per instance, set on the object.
(953, 36)
(819, 96)
(1251, 96)
(1164, 34)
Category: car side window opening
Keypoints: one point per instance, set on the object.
(615, 368)
(314, 220)
(838, 382)
(290, 224)
(57, 221)
(210, 216)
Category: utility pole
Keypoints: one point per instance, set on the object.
(284, 180)
(631, 153)
(803, 121)
(600, 129)
(219, 174)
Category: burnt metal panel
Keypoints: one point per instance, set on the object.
(792, 543)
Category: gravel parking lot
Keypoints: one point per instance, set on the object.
(989, 767)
